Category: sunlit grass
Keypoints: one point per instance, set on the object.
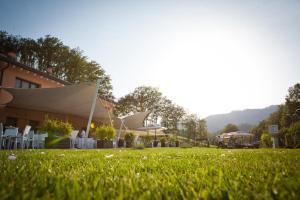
(170, 173)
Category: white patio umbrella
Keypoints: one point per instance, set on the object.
(151, 127)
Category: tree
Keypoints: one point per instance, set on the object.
(259, 129)
(147, 98)
(266, 140)
(28, 52)
(292, 100)
(292, 103)
(190, 123)
(49, 52)
(245, 127)
(293, 131)
(170, 115)
(142, 99)
(196, 128)
(8, 43)
(230, 128)
(202, 129)
(286, 117)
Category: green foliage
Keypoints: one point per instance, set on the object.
(292, 100)
(105, 132)
(230, 128)
(151, 174)
(260, 128)
(150, 99)
(170, 114)
(67, 64)
(171, 138)
(163, 139)
(129, 137)
(294, 128)
(56, 127)
(196, 128)
(245, 127)
(140, 146)
(147, 139)
(293, 131)
(287, 117)
(266, 140)
(140, 100)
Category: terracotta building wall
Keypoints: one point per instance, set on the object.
(13, 72)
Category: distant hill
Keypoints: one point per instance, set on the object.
(243, 118)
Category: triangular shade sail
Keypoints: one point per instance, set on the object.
(71, 99)
(133, 122)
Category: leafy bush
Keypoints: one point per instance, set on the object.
(56, 127)
(105, 132)
(129, 137)
(140, 146)
(266, 140)
(147, 139)
(121, 142)
(163, 140)
(172, 139)
(294, 128)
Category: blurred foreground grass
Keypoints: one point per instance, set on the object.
(161, 173)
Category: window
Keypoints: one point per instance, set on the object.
(20, 83)
(11, 121)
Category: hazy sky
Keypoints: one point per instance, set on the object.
(207, 56)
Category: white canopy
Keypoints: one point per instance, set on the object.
(71, 99)
(134, 121)
(240, 134)
(150, 127)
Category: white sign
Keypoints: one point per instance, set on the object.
(273, 129)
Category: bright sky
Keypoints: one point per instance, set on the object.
(208, 56)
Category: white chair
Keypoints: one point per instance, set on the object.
(90, 143)
(73, 137)
(30, 140)
(24, 137)
(10, 134)
(82, 142)
(1, 135)
(39, 140)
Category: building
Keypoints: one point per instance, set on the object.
(22, 107)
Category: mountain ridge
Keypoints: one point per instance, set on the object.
(239, 117)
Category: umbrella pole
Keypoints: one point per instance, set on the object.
(92, 108)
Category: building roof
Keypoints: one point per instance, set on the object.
(238, 133)
(18, 64)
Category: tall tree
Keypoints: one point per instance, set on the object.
(190, 123)
(202, 132)
(285, 117)
(170, 115)
(142, 99)
(150, 99)
(292, 101)
(28, 52)
(9, 43)
(230, 128)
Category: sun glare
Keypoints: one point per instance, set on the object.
(207, 60)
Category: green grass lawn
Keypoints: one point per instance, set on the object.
(162, 173)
